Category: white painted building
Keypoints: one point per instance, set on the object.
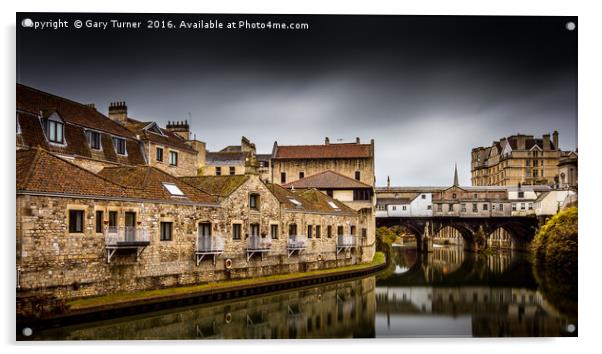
(549, 203)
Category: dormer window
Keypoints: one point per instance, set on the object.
(119, 144)
(93, 139)
(54, 129)
(173, 158)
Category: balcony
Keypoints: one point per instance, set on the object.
(258, 245)
(346, 242)
(296, 243)
(209, 246)
(125, 238)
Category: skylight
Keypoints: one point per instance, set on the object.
(173, 189)
(295, 201)
(333, 205)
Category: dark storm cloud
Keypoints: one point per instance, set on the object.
(427, 89)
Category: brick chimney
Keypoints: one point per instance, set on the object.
(182, 129)
(118, 111)
(555, 140)
(546, 142)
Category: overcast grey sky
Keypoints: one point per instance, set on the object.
(426, 89)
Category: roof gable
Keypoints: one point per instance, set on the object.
(327, 180)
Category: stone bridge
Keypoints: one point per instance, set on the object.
(474, 230)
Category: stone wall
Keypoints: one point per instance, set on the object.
(67, 265)
(209, 170)
(310, 167)
(187, 160)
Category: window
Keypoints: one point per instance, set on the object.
(329, 231)
(54, 131)
(501, 207)
(119, 144)
(333, 205)
(423, 196)
(475, 196)
(353, 230)
(521, 194)
(173, 158)
(283, 177)
(160, 154)
(357, 175)
(439, 207)
(463, 208)
(76, 221)
(340, 230)
(205, 229)
(474, 208)
(236, 228)
(361, 194)
(232, 170)
(394, 207)
(173, 189)
(166, 228)
(522, 206)
(485, 207)
(513, 206)
(318, 231)
(403, 207)
(450, 207)
(453, 195)
(429, 207)
(254, 230)
(364, 232)
(292, 229)
(218, 171)
(254, 201)
(301, 175)
(112, 218)
(99, 221)
(274, 231)
(309, 231)
(295, 202)
(492, 207)
(93, 139)
(530, 206)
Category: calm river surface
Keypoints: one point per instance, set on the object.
(448, 293)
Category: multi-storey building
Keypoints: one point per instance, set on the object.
(234, 160)
(293, 162)
(517, 159)
(98, 212)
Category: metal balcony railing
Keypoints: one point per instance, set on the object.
(345, 242)
(213, 243)
(258, 244)
(121, 235)
(125, 238)
(296, 243)
(209, 246)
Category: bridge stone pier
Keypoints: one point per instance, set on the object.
(474, 230)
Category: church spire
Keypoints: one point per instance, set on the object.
(456, 183)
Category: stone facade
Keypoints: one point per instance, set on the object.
(186, 163)
(517, 159)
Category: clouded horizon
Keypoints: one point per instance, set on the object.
(427, 89)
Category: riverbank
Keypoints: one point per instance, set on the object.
(122, 304)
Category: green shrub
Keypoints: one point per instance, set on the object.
(555, 245)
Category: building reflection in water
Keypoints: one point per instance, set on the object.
(343, 310)
(452, 293)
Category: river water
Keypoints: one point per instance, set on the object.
(447, 293)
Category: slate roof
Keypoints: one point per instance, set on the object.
(327, 180)
(77, 117)
(168, 138)
(221, 186)
(225, 158)
(330, 151)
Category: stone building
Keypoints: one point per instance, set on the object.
(130, 228)
(517, 159)
(293, 162)
(74, 131)
(232, 160)
(567, 171)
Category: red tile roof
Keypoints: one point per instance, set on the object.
(311, 200)
(327, 180)
(330, 151)
(168, 138)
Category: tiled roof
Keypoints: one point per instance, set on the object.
(168, 138)
(330, 151)
(327, 180)
(147, 183)
(40, 171)
(77, 118)
(393, 200)
(33, 101)
(311, 200)
(221, 186)
(530, 142)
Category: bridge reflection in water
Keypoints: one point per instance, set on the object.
(448, 292)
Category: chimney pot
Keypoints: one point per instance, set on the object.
(357, 140)
(326, 141)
